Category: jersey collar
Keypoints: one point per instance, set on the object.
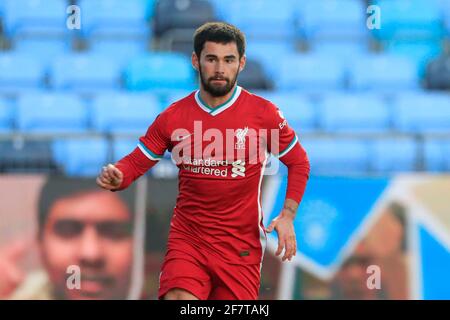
(219, 108)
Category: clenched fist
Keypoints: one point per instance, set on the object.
(110, 178)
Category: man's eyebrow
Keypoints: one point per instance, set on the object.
(210, 55)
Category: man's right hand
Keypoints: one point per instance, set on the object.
(11, 276)
(110, 178)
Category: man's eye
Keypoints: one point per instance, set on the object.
(115, 230)
(68, 228)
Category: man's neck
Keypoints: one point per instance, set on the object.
(212, 101)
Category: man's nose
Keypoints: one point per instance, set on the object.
(91, 247)
(220, 66)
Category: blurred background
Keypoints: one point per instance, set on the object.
(366, 85)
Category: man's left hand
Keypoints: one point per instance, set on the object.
(284, 226)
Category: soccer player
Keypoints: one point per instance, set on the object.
(217, 237)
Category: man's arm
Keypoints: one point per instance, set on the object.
(125, 171)
(149, 151)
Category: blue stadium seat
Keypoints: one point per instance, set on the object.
(44, 50)
(391, 155)
(337, 156)
(51, 113)
(410, 19)
(35, 17)
(85, 72)
(20, 71)
(383, 72)
(421, 52)
(437, 155)
(299, 111)
(311, 72)
(163, 70)
(354, 113)
(345, 50)
(332, 19)
(124, 113)
(123, 146)
(6, 116)
(263, 18)
(445, 5)
(260, 49)
(120, 51)
(422, 113)
(107, 18)
(81, 157)
(175, 95)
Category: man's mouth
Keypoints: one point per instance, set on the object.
(94, 285)
(219, 80)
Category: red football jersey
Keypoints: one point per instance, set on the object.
(221, 154)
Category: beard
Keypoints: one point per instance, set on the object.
(217, 90)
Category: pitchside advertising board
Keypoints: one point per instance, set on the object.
(400, 225)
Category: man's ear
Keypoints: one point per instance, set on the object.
(194, 61)
(242, 63)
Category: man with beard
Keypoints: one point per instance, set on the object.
(217, 237)
(80, 229)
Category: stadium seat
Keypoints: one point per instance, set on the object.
(253, 76)
(120, 51)
(176, 14)
(389, 155)
(115, 18)
(85, 72)
(163, 70)
(266, 19)
(20, 71)
(420, 52)
(337, 156)
(422, 113)
(437, 155)
(345, 50)
(6, 116)
(299, 111)
(122, 147)
(260, 49)
(383, 72)
(35, 17)
(354, 113)
(81, 157)
(124, 113)
(51, 113)
(445, 5)
(332, 19)
(173, 96)
(44, 50)
(310, 72)
(26, 156)
(410, 19)
(437, 75)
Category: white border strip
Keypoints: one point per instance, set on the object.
(148, 155)
(138, 268)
